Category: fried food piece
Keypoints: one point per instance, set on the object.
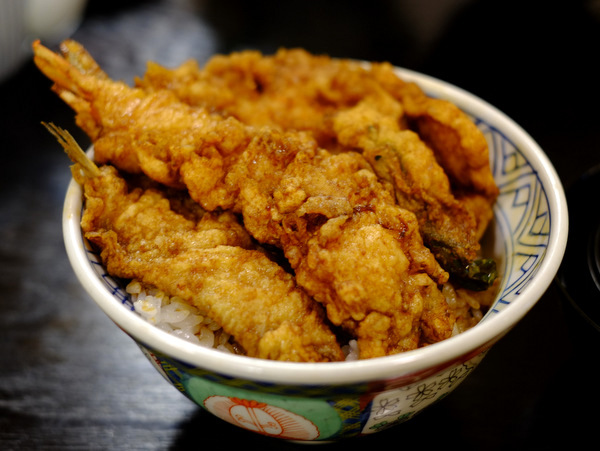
(79, 57)
(291, 90)
(206, 259)
(151, 133)
(381, 301)
(451, 228)
(352, 248)
(295, 90)
(459, 145)
(286, 188)
(420, 183)
(433, 171)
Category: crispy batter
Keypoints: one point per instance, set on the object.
(207, 260)
(420, 184)
(295, 90)
(344, 227)
(459, 145)
(352, 248)
(291, 90)
(151, 133)
(346, 105)
(162, 238)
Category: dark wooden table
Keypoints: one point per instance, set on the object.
(71, 380)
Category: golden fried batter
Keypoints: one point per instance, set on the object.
(400, 157)
(459, 145)
(208, 261)
(347, 105)
(352, 248)
(316, 156)
(295, 90)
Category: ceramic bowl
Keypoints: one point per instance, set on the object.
(329, 401)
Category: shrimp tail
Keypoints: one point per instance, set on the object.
(73, 151)
(81, 84)
(64, 75)
(76, 55)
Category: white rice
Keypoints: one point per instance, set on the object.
(465, 305)
(351, 350)
(172, 314)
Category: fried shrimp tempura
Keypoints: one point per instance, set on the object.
(151, 133)
(208, 260)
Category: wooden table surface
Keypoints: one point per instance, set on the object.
(71, 380)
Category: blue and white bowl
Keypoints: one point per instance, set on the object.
(328, 401)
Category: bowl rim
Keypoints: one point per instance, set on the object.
(445, 352)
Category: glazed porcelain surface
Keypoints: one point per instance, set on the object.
(328, 401)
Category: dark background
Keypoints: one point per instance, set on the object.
(70, 379)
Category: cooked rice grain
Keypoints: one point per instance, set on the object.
(177, 317)
(174, 315)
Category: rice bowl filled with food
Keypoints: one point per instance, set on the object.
(294, 240)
